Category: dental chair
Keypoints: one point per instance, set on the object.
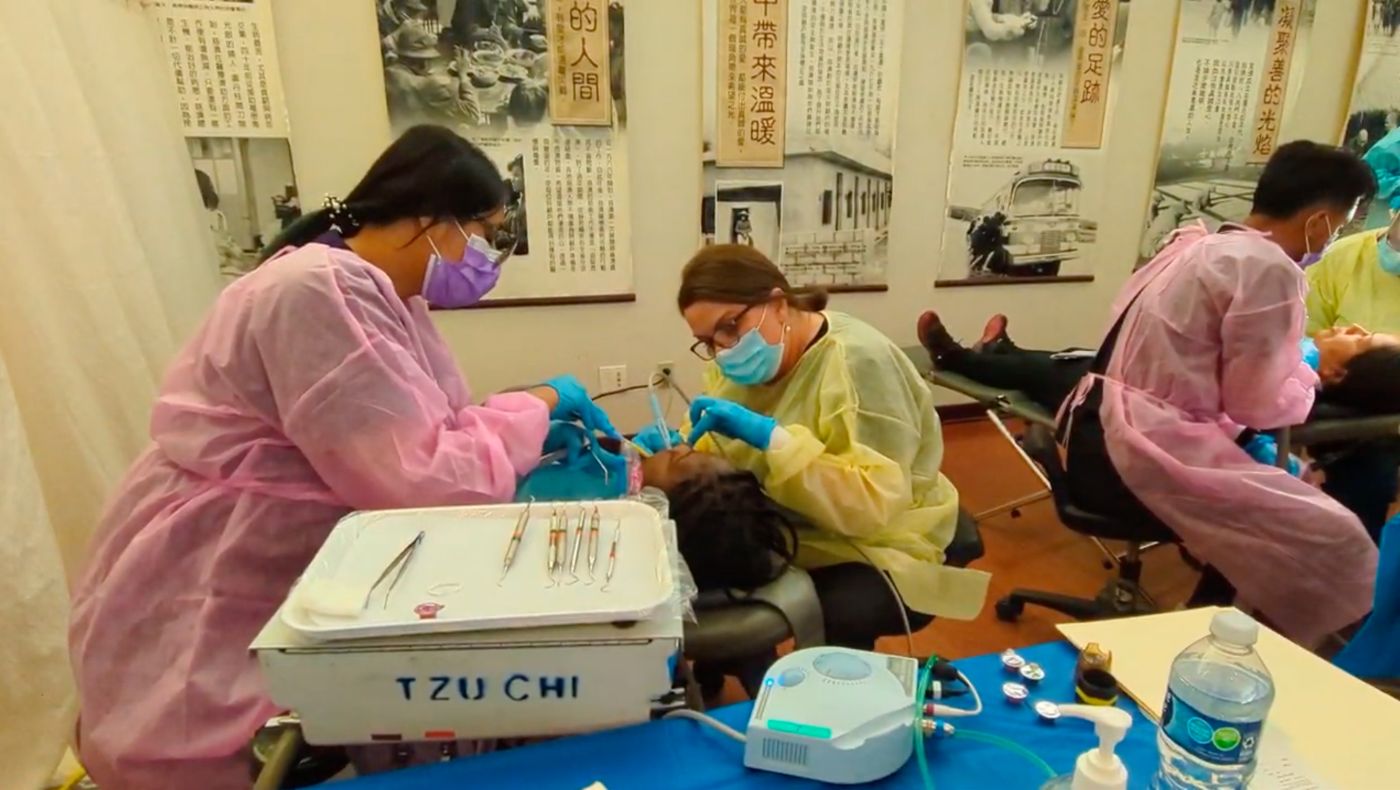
(740, 635)
(1121, 595)
(999, 405)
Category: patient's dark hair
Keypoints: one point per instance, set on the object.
(1371, 383)
(731, 534)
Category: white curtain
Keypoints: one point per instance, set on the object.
(105, 266)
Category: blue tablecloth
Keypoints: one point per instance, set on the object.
(685, 754)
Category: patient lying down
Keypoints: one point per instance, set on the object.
(731, 534)
(1360, 370)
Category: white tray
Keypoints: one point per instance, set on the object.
(458, 565)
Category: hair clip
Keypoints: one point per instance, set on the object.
(339, 215)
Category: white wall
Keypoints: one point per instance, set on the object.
(332, 73)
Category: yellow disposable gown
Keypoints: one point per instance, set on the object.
(862, 464)
(1348, 286)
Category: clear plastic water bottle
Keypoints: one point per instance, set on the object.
(1218, 696)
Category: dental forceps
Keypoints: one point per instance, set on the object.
(593, 530)
(400, 561)
(514, 544)
(612, 556)
(578, 546)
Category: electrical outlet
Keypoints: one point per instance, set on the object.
(612, 378)
(663, 373)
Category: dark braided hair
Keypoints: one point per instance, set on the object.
(731, 534)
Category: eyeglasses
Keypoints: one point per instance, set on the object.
(509, 251)
(493, 239)
(725, 335)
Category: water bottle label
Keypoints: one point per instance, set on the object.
(1208, 738)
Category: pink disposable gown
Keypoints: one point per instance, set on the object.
(1211, 347)
(311, 390)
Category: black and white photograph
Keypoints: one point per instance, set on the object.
(1372, 123)
(479, 66)
(249, 193)
(748, 213)
(482, 69)
(835, 190)
(1012, 32)
(515, 234)
(1204, 168)
(1024, 183)
(1231, 18)
(1198, 181)
(1025, 33)
(1031, 225)
(825, 223)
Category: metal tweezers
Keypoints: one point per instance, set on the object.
(400, 562)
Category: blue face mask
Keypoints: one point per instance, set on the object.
(752, 361)
(1390, 257)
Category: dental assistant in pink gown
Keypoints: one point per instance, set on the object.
(317, 385)
(1209, 346)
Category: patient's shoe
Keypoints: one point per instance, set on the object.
(993, 335)
(934, 336)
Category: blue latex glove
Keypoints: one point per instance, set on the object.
(1264, 449)
(576, 406)
(728, 418)
(1311, 356)
(651, 439)
(567, 437)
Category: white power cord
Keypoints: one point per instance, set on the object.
(898, 599)
(709, 721)
(948, 712)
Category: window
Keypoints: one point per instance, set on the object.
(840, 181)
(827, 199)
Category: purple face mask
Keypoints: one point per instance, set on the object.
(462, 283)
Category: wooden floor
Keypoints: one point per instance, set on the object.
(1034, 551)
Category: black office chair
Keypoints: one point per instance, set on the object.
(1122, 595)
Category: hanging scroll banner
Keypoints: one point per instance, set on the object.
(752, 83)
(579, 81)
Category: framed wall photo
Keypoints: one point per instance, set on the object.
(222, 57)
(540, 87)
(1235, 71)
(799, 110)
(1027, 178)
